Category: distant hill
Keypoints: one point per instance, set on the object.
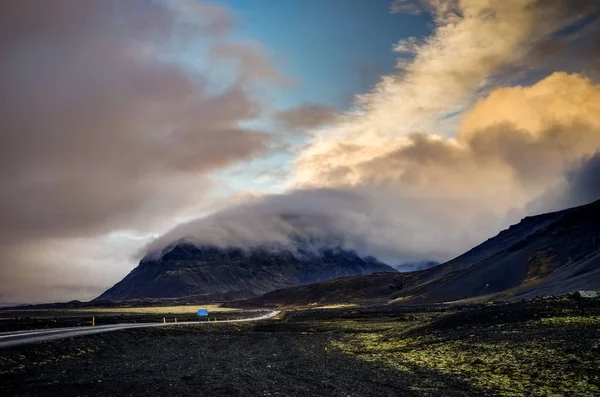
(8, 304)
(547, 254)
(374, 288)
(413, 266)
(227, 274)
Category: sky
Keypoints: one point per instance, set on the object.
(410, 130)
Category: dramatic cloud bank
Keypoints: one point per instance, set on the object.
(368, 221)
(389, 179)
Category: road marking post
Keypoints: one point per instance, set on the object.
(164, 320)
(175, 320)
(93, 321)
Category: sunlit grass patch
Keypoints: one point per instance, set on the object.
(338, 306)
(571, 320)
(182, 309)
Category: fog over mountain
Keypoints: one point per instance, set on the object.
(374, 222)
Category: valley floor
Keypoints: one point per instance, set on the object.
(536, 348)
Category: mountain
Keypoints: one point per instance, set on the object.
(547, 254)
(215, 273)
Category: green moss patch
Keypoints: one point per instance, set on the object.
(551, 357)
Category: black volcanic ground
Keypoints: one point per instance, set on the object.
(547, 347)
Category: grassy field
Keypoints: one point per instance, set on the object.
(25, 319)
(338, 306)
(182, 309)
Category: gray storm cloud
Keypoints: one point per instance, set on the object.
(91, 123)
(101, 131)
(306, 116)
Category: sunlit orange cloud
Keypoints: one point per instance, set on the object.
(517, 140)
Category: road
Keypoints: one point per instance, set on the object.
(8, 339)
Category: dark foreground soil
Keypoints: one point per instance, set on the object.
(13, 320)
(541, 348)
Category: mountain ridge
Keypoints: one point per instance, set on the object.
(551, 240)
(235, 273)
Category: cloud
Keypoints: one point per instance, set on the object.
(560, 98)
(442, 10)
(475, 43)
(584, 182)
(580, 186)
(252, 61)
(473, 47)
(387, 225)
(574, 49)
(103, 128)
(306, 116)
(413, 7)
(510, 146)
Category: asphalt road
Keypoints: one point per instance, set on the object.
(17, 338)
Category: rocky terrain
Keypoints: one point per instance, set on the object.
(215, 274)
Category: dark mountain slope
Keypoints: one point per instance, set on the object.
(546, 254)
(227, 274)
(552, 253)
